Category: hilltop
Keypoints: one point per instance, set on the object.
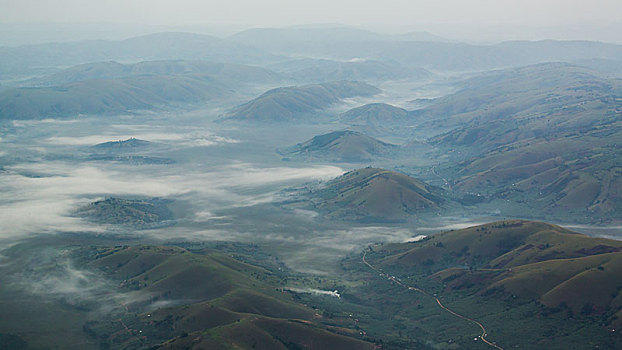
(341, 146)
(297, 102)
(372, 194)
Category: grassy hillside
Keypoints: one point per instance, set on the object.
(208, 299)
(341, 146)
(543, 136)
(372, 194)
(540, 101)
(531, 284)
(298, 102)
(574, 176)
(531, 260)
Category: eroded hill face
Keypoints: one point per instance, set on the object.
(559, 268)
(377, 194)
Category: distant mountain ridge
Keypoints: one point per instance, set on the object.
(112, 88)
(323, 70)
(228, 73)
(159, 46)
(343, 43)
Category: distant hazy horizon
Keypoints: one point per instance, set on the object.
(475, 21)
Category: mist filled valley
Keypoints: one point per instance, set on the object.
(310, 187)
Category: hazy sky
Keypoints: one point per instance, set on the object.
(284, 12)
(393, 15)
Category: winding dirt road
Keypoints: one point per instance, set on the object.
(392, 278)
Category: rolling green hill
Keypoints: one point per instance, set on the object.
(208, 300)
(576, 176)
(372, 194)
(341, 146)
(526, 284)
(298, 102)
(531, 260)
